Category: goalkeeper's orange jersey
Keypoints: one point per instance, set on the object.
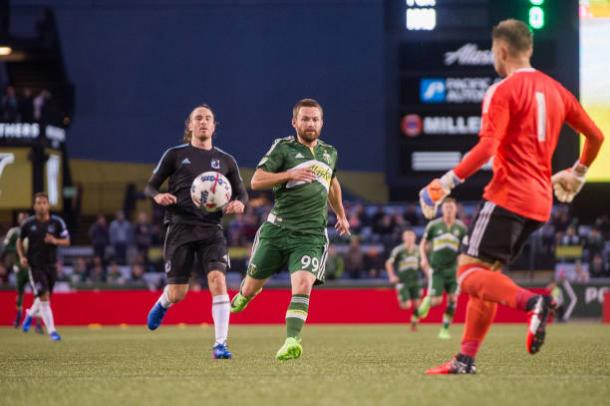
(524, 114)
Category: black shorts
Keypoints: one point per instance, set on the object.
(42, 279)
(183, 242)
(497, 234)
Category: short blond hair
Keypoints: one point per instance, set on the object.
(517, 35)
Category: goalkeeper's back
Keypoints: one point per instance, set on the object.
(525, 113)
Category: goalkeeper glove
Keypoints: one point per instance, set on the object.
(433, 194)
(569, 182)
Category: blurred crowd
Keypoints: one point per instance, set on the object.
(122, 251)
(26, 105)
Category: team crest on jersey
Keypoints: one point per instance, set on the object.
(215, 163)
(168, 266)
(326, 157)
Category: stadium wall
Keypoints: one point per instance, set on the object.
(327, 306)
(140, 66)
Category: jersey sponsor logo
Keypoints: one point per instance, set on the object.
(322, 172)
(215, 163)
(185, 161)
(469, 54)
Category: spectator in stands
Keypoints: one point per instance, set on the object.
(597, 267)
(3, 275)
(137, 274)
(79, 271)
(603, 224)
(354, 260)
(41, 106)
(26, 106)
(99, 236)
(595, 244)
(97, 272)
(120, 237)
(410, 215)
(143, 232)
(561, 218)
(335, 265)
(115, 276)
(9, 105)
(374, 262)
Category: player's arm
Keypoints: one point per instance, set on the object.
(267, 180)
(389, 268)
(23, 260)
(494, 123)
(335, 198)
(569, 182)
(162, 171)
(240, 195)
(423, 257)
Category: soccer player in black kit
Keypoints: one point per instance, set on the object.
(190, 231)
(45, 232)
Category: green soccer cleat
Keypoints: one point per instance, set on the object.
(239, 303)
(424, 308)
(291, 349)
(444, 334)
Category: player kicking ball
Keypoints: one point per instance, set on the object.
(191, 231)
(521, 119)
(301, 170)
(442, 238)
(403, 271)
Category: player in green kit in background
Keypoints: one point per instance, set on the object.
(10, 260)
(301, 170)
(403, 271)
(444, 235)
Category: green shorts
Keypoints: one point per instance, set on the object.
(406, 292)
(275, 247)
(443, 279)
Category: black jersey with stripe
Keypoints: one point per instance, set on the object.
(39, 253)
(182, 164)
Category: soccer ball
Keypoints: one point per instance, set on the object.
(211, 191)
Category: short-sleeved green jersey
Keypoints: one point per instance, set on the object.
(445, 241)
(10, 240)
(406, 263)
(301, 206)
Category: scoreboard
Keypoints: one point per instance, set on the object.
(439, 65)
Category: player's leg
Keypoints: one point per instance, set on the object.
(306, 264)
(414, 293)
(214, 257)
(34, 310)
(178, 266)
(451, 288)
(22, 280)
(47, 282)
(434, 295)
(266, 258)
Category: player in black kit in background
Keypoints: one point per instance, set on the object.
(44, 232)
(190, 231)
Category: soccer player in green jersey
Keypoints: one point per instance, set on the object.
(10, 260)
(442, 237)
(301, 170)
(403, 271)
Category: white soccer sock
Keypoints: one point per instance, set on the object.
(34, 311)
(164, 299)
(47, 316)
(220, 313)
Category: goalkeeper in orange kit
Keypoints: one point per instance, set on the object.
(521, 120)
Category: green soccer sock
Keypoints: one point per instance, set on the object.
(415, 315)
(448, 315)
(296, 315)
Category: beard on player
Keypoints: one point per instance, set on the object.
(309, 135)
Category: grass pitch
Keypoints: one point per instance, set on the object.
(341, 365)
